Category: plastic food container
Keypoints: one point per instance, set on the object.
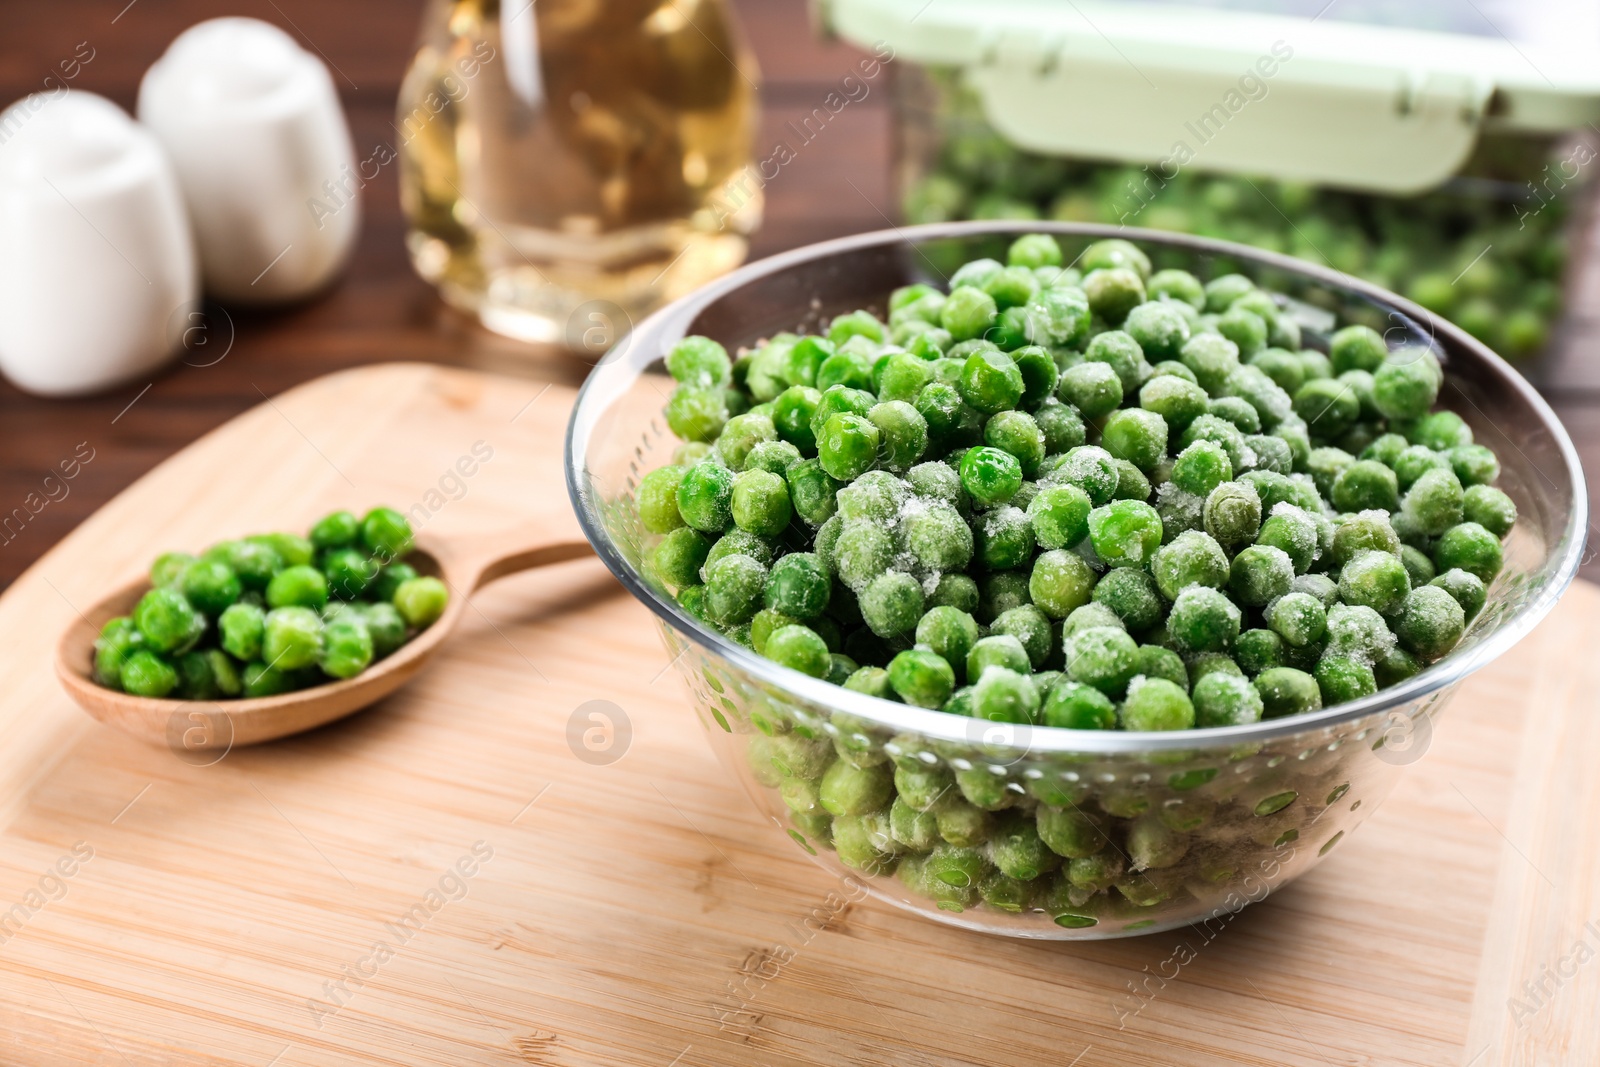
(1445, 154)
(1249, 808)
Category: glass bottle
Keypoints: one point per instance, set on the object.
(567, 166)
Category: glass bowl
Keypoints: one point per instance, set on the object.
(1231, 813)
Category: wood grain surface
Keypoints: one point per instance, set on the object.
(442, 879)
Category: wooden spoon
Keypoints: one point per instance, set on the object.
(202, 731)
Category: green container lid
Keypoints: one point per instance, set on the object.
(1309, 90)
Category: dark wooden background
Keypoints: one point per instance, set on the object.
(381, 311)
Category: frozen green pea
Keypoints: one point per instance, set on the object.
(1328, 406)
(903, 376)
(1342, 678)
(1034, 250)
(1467, 546)
(849, 790)
(1201, 467)
(1094, 388)
(1091, 469)
(1129, 591)
(902, 434)
(676, 560)
(1223, 699)
(1358, 632)
(1377, 580)
(1159, 328)
(421, 601)
(962, 824)
(386, 534)
(1292, 531)
(292, 638)
(799, 648)
(1233, 513)
(1005, 696)
(349, 571)
(892, 603)
(1059, 515)
(1213, 359)
(764, 624)
(912, 829)
(862, 552)
(1435, 501)
(209, 586)
(1125, 532)
(1357, 348)
(1177, 285)
(1260, 574)
(119, 638)
(169, 567)
(1419, 568)
(1190, 559)
(991, 382)
(1154, 845)
(1406, 386)
(1118, 350)
(1366, 485)
(697, 413)
(1102, 656)
(1287, 691)
(1300, 619)
(735, 585)
(1413, 461)
(1467, 589)
(1256, 651)
(1156, 704)
(1060, 583)
(1017, 851)
(1178, 401)
(169, 623)
(241, 628)
(1430, 622)
(1113, 292)
(997, 651)
(798, 585)
(1203, 620)
(760, 503)
(1003, 539)
(146, 674)
(705, 496)
(1017, 434)
(968, 312)
(1368, 531)
(990, 476)
(347, 647)
(1156, 661)
(1490, 508)
(1069, 832)
(1136, 435)
(1077, 706)
(1032, 629)
(847, 447)
(1237, 411)
(699, 361)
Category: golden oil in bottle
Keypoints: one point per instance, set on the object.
(567, 166)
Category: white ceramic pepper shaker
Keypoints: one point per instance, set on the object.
(97, 268)
(253, 126)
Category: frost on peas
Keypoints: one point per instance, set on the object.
(986, 508)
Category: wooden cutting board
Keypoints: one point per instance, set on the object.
(442, 880)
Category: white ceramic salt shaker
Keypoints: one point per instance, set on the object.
(97, 268)
(253, 126)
